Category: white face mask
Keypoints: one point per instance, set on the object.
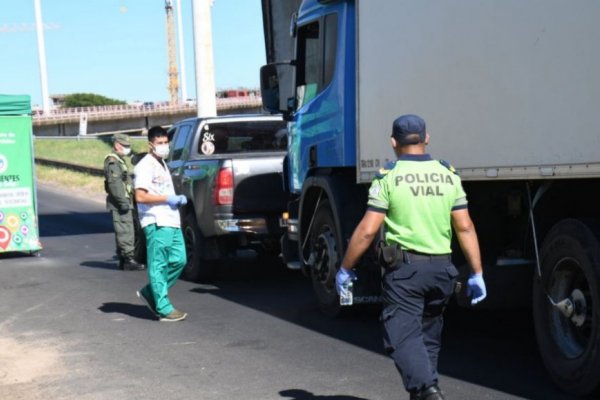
(126, 151)
(161, 150)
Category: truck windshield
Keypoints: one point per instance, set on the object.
(241, 137)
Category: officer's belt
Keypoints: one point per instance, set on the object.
(409, 255)
(390, 257)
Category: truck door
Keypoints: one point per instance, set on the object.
(316, 134)
(179, 154)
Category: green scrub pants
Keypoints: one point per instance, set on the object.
(166, 259)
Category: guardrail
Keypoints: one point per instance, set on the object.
(93, 136)
(105, 112)
(71, 166)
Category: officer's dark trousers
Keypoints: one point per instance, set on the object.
(414, 296)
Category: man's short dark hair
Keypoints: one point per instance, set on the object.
(156, 132)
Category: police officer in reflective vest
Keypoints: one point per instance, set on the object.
(119, 201)
(419, 199)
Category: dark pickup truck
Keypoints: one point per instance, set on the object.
(230, 168)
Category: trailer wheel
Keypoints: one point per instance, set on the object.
(569, 344)
(325, 258)
(196, 267)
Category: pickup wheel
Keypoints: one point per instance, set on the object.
(569, 341)
(325, 258)
(196, 267)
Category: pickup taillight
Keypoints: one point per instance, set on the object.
(224, 188)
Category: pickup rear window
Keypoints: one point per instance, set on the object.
(240, 137)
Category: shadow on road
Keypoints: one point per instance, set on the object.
(73, 223)
(299, 394)
(101, 264)
(132, 310)
(493, 349)
(18, 254)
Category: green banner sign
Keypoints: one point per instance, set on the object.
(18, 210)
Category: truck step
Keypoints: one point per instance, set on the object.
(513, 262)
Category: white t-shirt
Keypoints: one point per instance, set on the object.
(154, 176)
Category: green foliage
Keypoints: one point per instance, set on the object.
(89, 100)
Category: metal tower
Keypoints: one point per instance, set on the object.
(172, 53)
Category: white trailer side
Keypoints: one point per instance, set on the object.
(509, 89)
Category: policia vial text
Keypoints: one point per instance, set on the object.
(424, 180)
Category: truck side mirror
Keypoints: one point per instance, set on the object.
(269, 88)
(276, 87)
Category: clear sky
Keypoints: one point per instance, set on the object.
(118, 48)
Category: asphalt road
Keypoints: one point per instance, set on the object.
(71, 327)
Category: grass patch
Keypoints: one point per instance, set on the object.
(88, 152)
(78, 182)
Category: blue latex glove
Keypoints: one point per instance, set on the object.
(476, 288)
(341, 277)
(176, 200)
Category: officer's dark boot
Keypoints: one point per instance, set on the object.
(121, 263)
(130, 264)
(430, 393)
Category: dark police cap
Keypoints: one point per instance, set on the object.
(406, 127)
(122, 139)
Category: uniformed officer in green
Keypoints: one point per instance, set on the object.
(419, 199)
(119, 201)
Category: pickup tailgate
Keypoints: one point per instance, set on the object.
(258, 184)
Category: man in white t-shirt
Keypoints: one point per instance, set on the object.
(157, 206)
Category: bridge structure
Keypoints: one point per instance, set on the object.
(129, 118)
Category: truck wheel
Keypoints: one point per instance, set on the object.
(196, 267)
(570, 343)
(325, 258)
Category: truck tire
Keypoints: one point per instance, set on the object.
(325, 254)
(570, 346)
(196, 267)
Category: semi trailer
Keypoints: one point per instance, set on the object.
(510, 92)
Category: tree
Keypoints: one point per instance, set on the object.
(89, 100)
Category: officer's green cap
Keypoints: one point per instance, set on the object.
(122, 139)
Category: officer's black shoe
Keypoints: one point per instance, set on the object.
(431, 393)
(121, 263)
(130, 264)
